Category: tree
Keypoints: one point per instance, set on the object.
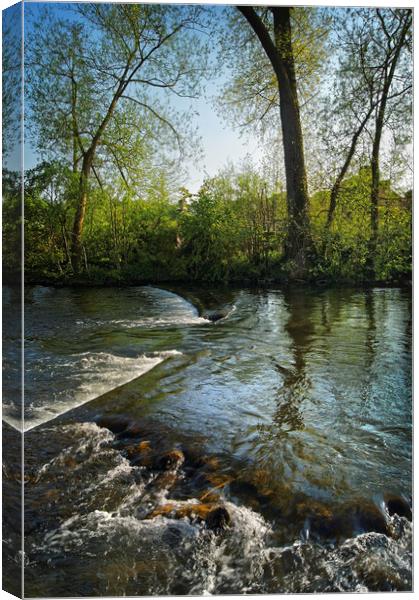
(394, 35)
(86, 71)
(369, 77)
(12, 78)
(279, 50)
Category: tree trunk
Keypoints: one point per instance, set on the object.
(88, 157)
(298, 238)
(375, 189)
(66, 248)
(76, 246)
(280, 53)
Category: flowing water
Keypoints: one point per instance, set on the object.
(292, 412)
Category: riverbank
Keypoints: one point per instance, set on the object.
(113, 279)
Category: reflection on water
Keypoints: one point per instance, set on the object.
(301, 399)
(296, 383)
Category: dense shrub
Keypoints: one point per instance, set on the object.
(232, 230)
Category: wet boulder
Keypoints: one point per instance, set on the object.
(116, 424)
(368, 517)
(142, 454)
(215, 315)
(247, 492)
(397, 505)
(218, 519)
(215, 517)
(192, 457)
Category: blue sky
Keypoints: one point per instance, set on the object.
(221, 143)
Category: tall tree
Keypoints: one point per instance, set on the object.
(372, 84)
(279, 50)
(393, 36)
(86, 70)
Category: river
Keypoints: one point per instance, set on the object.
(292, 412)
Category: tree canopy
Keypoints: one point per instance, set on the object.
(111, 92)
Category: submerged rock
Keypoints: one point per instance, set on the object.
(142, 447)
(209, 496)
(133, 430)
(321, 521)
(140, 454)
(218, 480)
(165, 481)
(210, 463)
(170, 460)
(345, 521)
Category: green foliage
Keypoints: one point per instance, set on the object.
(12, 78)
(208, 231)
(105, 86)
(11, 224)
(250, 96)
(232, 230)
(343, 250)
(394, 256)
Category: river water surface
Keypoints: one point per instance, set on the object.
(292, 412)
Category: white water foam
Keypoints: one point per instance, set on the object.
(89, 440)
(235, 558)
(97, 374)
(152, 322)
(229, 313)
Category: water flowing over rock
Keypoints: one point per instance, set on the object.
(269, 452)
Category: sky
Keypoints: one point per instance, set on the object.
(220, 143)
